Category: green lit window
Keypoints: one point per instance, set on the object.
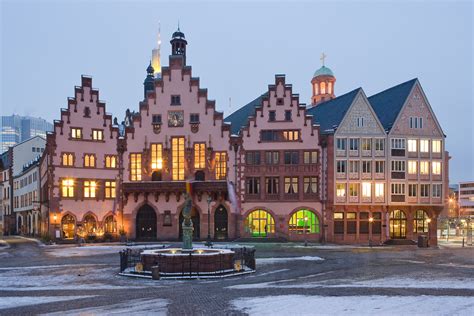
(304, 221)
(260, 223)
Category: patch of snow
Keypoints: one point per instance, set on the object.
(133, 307)
(18, 301)
(286, 259)
(355, 305)
(55, 266)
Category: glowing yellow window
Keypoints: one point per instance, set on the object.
(199, 156)
(424, 167)
(221, 165)
(67, 186)
(340, 189)
(436, 167)
(89, 160)
(76, 133)
(412, 167)
(67, 159)
(109, 189)
(97, 134)
(366, 189)
(156, 156)
(177, 155)
(136, 167)
(111, 162)
(90, 189)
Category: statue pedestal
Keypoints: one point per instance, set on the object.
(188, 237)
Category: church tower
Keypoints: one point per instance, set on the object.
(178, 44)
(155, 56)
(323, 84)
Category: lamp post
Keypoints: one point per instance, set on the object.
(371, 220)
(208, 242)
(304, 231)
(55, 218)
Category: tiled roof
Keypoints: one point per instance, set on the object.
(239, 118)
(329, 114)
(388, 103)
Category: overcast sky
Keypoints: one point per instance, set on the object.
(237, 48)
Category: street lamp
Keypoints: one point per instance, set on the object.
(428, 220)
(371, 220)
(208, 242)
(304, 231)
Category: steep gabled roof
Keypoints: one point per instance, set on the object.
(239, 118)
(329, 114)
(388, 103)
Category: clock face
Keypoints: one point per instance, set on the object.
(175, 118)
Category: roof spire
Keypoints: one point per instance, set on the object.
(155, 54)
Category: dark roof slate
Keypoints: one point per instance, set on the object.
(329, 114)
(239, 118)
(388, 103)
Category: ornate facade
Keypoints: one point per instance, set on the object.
(342, 170)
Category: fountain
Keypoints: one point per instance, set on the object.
(188, 262)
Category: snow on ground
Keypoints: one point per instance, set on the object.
(467, 283)
(133, 307)
(79, 278)
(86, 250)
(355, 305)
(17, 301)
(261, 261)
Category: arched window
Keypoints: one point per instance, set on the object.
(89, 224)
(260, 223)
(316, 89)
(398, 224)
(330, 88)
(68, 225)
(323, 87)
(110, 225)
(420, 223)
(304, 221)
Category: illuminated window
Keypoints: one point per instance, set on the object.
(110, 161)
(310, 185)
(379, 190)
(67, 188)
(89, 224)
(366, 189)
(156, 156)
(67, 159)
(76, 133)
(323, 87)
(135, 167)
(354, 189)
(221, 165)
(436, 146)
(304, 222)
(89, 160)
(330, 87)
(291, 135)
(110, 225)
(68, 224)
(316, 89)
(436, 167)
(109, 189)
(97, 134)
(341, 190)
(412, 145)
(291, 185)
(90, 189)
(412, 167)
(424, 167)
(420, 223)
(177, 154)
(199, 156)
(260, 223)
(424, 146)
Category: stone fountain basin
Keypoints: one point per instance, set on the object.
(197, 260)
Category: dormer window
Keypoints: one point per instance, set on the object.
(360, 122)
(271, 116)
(175, 100)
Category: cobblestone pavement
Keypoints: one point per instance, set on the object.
(37, 279)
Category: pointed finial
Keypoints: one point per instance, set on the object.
(323, 57)
(178, 24)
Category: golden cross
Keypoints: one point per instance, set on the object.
(323, 57)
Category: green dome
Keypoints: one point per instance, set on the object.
(323, 71)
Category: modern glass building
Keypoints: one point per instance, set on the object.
(15, 129)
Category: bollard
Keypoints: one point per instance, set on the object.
(463, 242)
(155, 272)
